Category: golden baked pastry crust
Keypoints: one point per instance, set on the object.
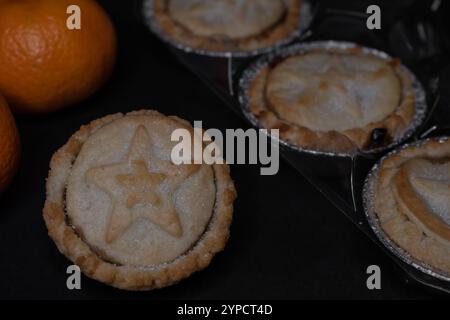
(287, 26)
(407, 210)
(341, 142)
(123, 276)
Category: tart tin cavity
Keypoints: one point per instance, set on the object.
(374, 222)
(252, 72)
(306, 18)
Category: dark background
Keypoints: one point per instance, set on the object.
(287, 241)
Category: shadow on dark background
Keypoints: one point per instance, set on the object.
(286, 241)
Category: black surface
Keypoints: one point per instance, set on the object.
(287, 241)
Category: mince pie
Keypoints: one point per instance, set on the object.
(412, 201)
(227, 25)
(333, 100)
(119, 208)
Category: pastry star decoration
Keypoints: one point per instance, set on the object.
(337, 77)
(134, 189)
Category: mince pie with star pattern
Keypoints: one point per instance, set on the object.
(334, 100)
(227, 25)
(125, 214)
(412, 201)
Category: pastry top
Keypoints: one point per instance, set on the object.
(120, 209)
(333, 100)
(326, 91)
(226, 26)
(234, 19)
(130, 202)
(412, 201)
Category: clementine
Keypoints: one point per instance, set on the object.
(9, 145)
(44, 64)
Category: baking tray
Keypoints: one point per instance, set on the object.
(414, 37)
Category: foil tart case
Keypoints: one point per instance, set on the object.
(375, 224)
(253, 70)
(306, 18)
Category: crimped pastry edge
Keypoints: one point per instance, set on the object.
(131, 277)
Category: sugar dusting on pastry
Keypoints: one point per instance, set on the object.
(228, 18)
(143, 209)
(344, 91)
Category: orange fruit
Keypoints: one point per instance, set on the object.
(45, 66)
(9, 145)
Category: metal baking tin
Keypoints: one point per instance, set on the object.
(250, 74)
(375, 224)
(306, 17)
